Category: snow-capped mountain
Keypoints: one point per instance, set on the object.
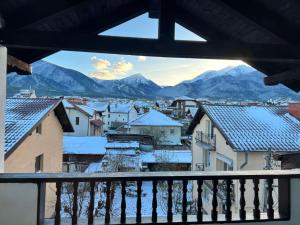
(50, 79)
(134, 86)
(236, 83)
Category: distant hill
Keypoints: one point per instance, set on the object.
(235, 83)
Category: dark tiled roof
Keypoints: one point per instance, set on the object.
(22, 115)
(256, 128)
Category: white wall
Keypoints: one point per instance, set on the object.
(3, 65)
(83, 128)
(165, 139)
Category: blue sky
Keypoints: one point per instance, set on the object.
(163, 71)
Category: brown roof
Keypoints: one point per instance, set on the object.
(97, 122)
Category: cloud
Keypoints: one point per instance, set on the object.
(122, 67)
(100, 64)
(105, 70)
(141, 58)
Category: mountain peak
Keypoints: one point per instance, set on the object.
(136, 78)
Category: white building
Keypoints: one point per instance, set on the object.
(164, 129)
(238, 138)
(26, 93)
(120, 114)
(85, 120)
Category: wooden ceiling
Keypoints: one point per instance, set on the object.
(263, 33)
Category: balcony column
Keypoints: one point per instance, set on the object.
(3, 65)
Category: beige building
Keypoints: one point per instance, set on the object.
(231, 137)
(34, 138)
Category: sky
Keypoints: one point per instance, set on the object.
(163, 71)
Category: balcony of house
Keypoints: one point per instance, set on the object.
(207, 140)
(151, 198)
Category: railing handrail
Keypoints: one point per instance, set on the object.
(145, 176)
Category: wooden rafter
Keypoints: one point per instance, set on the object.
(285, 77)
(166, 26)
(54, 41)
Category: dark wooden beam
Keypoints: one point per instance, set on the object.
(37, 10)
(55, 41)
(17, 65)
(285, 77)
(166, 26)
(266, 18)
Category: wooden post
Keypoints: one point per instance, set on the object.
(3, 65)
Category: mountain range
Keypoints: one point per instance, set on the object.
(234, 83)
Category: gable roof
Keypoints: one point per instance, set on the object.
(23, 115)
(154, 118)
(85, 109)
(98, 106)
(120, 107)
(253, 128)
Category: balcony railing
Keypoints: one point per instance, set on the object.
(207, 139)
(138, 179)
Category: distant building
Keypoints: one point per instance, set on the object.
(34, 138)
(85, 120)
(183, 105)
(235, 137)
(164, 129)
(25, 93)
(102, 109)
(120, 114)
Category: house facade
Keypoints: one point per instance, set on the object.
(34, 138)
(85, 120)
(237, 138)
(164, 129)
(120, 114)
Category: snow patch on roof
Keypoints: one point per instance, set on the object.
(84, 145)
(88, 110)
(154, 118)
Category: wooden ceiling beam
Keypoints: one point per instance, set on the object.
(265, 18)
(166, 25)
(289, 76)
(36, 11)
(54, 41)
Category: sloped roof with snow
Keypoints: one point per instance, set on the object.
(120, 107)
(256, 128)
(67, 104)
(93, 145)
(98, 106)
(154, 118)
(22, 115)
(86, 109)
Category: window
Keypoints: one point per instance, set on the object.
(39, 161)
(209, 128)
(77, 120)
(206, 158)
(172, 131)
(38, 129)
(162, 132)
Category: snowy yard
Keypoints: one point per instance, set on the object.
(131, 199)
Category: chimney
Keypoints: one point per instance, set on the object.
(294, 109)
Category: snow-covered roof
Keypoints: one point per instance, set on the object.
(167, 156)
(94, 145)
(121, 152)
(120, 107)
(154, 118)
(256, 128)
(67, 104)
(86, 109)
(95, 167)
(22, 115)
(122, 145)
(98, 106)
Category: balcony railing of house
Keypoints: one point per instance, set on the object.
(288, 197)
(205, 138)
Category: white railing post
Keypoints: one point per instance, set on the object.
(3, 65)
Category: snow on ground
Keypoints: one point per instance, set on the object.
(131, 199)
